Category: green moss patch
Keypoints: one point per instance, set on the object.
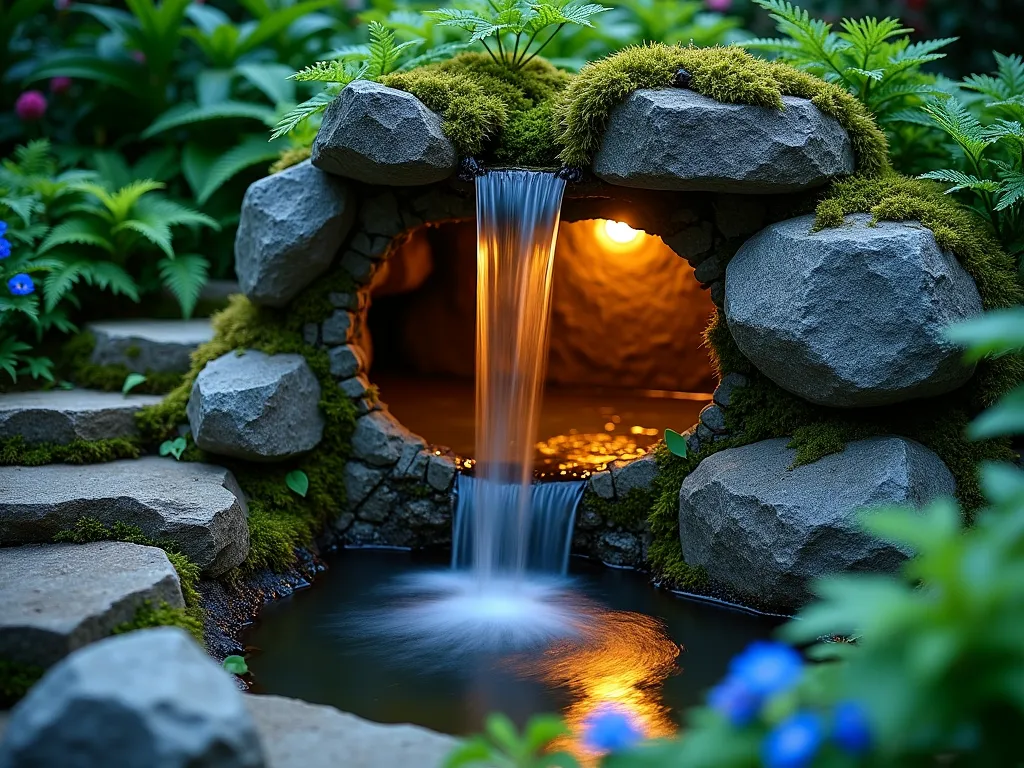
(279, 519)
(490, 111)
(77, 368)
(15, 680)
(190, 618)
(630, 511)
(15, 451)
(728, 74)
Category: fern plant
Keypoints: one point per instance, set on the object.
(990, 150)
(381, 56)
(518, 31)
(871, 58)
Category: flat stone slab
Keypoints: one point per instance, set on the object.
(291, 227)
(765, 530)
(56, 598)
(850, 316)
(676, 139)
(380, 135)
(197, 509)
(61, 416)
(158, 346)
(296, 734)
(146, 699)
(256, 406)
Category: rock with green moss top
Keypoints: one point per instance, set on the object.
(676, 139)
(56, 598)
(380, 135)
(149, 698)
(145, 346)
(60, 417)
(256, 407)
(291, 227)
(851, 316)
(764, 529)
(196, 509)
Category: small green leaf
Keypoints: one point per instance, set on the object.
(676, 443)
(297, 481)
(131, 381)
(174, 447)
(236, 665)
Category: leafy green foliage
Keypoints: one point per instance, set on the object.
(175, 447)
(297, 481)
(235, 665)
(871, 58)
(519, 30)
(675, 443)
(502, 747)
(990, 150)
(131, 381)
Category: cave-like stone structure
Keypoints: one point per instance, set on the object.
(333, 216)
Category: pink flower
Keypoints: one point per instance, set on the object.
(139, 56)
(719, 5)
(60, 85)
(30, 106)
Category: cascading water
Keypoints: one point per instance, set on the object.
(503, 524)
(511, 538)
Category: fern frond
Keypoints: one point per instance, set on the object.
(304, 111)
(77, 231)
(185, 275)
(1012, 191)
(158, 233)
(249, 151)
(127, 197)
(162, 211)
(108, 276)
(961, 181)
(960, 125)
(384, 52)
(866, 35)
(341, 72)
(1011, 73)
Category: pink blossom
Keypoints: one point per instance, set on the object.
(30, 106)
(60, 85)
(139, 56)
(719, 5)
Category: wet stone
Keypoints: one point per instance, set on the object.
(440, 472)
(713, 418)
(360, 481)
(345, 361)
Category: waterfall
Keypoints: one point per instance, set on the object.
(503, 523)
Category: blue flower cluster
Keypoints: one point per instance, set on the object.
(5, 244)
(20, 284)
(610, 728)
(767, 669)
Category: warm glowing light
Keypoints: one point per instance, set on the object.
(620, 232)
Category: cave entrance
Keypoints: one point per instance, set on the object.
(626, 358)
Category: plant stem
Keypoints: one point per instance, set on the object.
(527, 46)
(543, 45)
(490, 52)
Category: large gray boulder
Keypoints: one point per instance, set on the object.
(851, 316)
(62, 416)
(679, 140)
(198, 509)
(291, 227)
(380, 135)
(57, 598)
(764, 530)
(159, 346)
(147, 699)
(296, 734)
(255, 406)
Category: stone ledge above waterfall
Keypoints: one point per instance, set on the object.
(675, 139)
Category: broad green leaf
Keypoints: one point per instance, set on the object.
(249, 151)
(541, 730)
(503, 732)
(474, 751)
(1006, 417)
(175, 447)
(993, 333)
(131, 381)
(125, 75)
(297, 481)
(676, 443)
(213, 86)
(190, 114)
(272, 79)
(236, 665)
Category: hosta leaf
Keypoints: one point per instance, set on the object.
(190, 114)
(272, 79)
(185, 275)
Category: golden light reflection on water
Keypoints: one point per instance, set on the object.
(623, 660)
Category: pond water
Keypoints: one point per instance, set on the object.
(646, 649)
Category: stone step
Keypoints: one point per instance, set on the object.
(61, 416)
(154, 346)
(198, 509)
(56, 598)
(296, 734)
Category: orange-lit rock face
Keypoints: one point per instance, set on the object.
(627, 311)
